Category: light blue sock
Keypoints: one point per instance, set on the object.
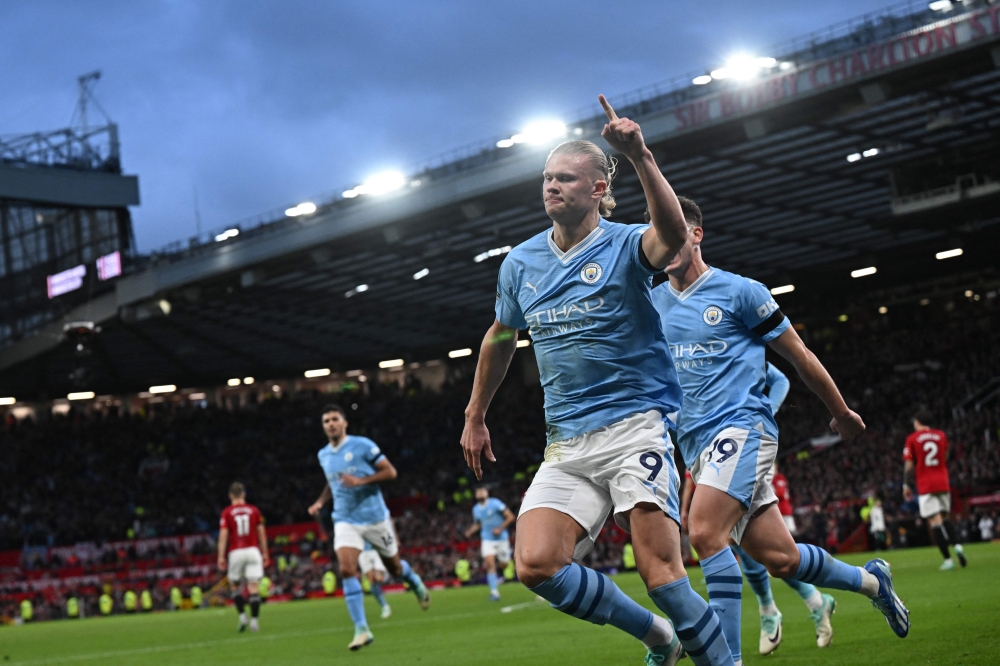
(491, 579)
(411, 577)
(805, 590)
(592, 596)
(725, 594)
(818, 567)
(355, 598)
(697, 625)
(379, 594)
(757, 576)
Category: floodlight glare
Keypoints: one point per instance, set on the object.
(81, 395)
(854, 157)
(459, 353)
(227, 234)
(8, 401)
(392, 363)
(381, 183)
(786, 289)
(721, 73)
(940, 6)
(523, 343)
(505, 143)
(422, 273)
(544, 131)
(862, 272)
(742, 67)
(165, 388)
(871, 152)
(948, 254)
(249, 380)
(305, 208)
(702, 80)
(766, 62)
(319, 372)
(235, 381)
(349, 194)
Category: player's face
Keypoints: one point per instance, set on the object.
(679, 264)
(334, 425)
(482, 495)
(571, 187)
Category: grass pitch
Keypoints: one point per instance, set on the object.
(955, 615)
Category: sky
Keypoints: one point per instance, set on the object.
(258, 105)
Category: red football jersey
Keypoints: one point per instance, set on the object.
(780, 485)
(928, 449)
(241, 520)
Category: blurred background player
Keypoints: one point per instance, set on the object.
(583, 289)
(926, 451)
(372, 568)
(354, 466)
(719, 325)
(492, 518)
(241, 529)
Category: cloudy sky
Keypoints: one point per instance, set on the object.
(261, 104)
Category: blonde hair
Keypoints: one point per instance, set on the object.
(600, 160)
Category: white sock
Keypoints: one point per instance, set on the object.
(661, 633)
(769, 609)
(815, 602)
(869, 584)
(243, 618)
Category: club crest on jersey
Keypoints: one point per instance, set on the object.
(591, 273)
(712, 315)
(348, 457)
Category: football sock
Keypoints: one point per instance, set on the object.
(697, 625)
(808, 592)
(410, 576)
(941, 539)
(240, 603)
(725, 594)
(592, 596)
(254, 605)
(759, 581)
(378, 594)
(355, 598)
(818, 567)
(491, 578)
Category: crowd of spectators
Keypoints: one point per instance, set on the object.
(164, 470)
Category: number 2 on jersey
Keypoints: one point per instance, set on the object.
(930, 454)
(242, 525)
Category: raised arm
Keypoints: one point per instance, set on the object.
(495, 355)
(845, 422)
(669, 229)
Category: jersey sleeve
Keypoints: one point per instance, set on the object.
(373, 454)
(759, 312)
(222, 521)
(779, 385)
(907, 453)
(508, 310)
(501, 507)
(636, 256)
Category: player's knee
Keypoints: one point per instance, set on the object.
(781, 565)
(533, 571)
(348, 570)
(706, 540)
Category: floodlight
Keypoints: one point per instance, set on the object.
(165, 388)
(392, 363)
(948, 254)
(459, 353)
(702, 80)
(319, 372)
(422, 273)
(7, 401)
(81, 395)
(788, 288)
(862, 272)
(235, 381)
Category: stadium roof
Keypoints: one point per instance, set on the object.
(875, 147)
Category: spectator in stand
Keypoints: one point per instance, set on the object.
(986, 525)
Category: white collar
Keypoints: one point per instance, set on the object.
(573, 252)
(693, 287)
(336, 449)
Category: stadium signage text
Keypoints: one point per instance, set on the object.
(930, 41)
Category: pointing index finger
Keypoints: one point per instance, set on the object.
(607, 108)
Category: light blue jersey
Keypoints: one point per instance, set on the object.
(601, 352)
(718, 329)
(490, 516)
(356, 456)
(778, 386)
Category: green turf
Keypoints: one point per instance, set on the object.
(956, 620)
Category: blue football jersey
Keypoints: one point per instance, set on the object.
(602, 355)
(718, 329)
(356, 456)
(778, 387)
(490, 516)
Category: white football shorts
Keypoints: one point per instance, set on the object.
(245, 564)
(382, 537)
(499, 548)
(932, 504)
(739, 463)
(614, 467)
(369, 560)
